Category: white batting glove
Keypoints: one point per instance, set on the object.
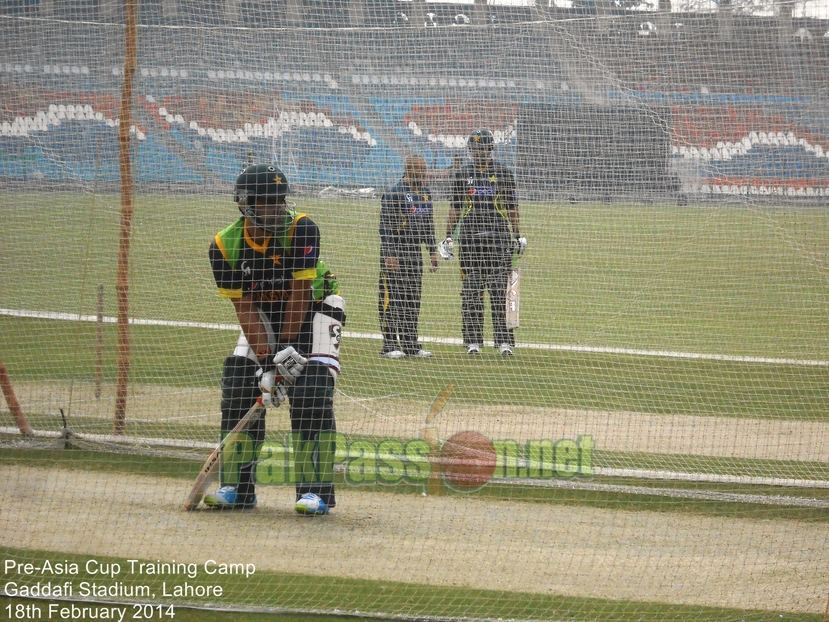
(519, 245)
(273, 392)
(289, 365)
(446, 249)
(276, 397)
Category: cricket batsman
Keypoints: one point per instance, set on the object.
(267, 264)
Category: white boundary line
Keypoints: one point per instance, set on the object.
(75, 317)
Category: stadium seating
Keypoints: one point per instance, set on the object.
(354, 128)
(732, 145)
(742, 147)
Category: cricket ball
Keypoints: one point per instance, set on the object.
(467, 460)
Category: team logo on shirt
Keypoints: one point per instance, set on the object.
(482, 191)
(418, 206)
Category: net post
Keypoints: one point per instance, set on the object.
(14, 405)
(122, 275)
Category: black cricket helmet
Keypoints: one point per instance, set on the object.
(481, 139)
(262, 181)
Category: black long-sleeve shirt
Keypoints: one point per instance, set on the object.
(406, 221)
(484, 199)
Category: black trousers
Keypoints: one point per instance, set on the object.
(486, 262)
(311, 402)
(314, 427)
(399, 303)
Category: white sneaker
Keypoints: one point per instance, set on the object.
(473, 348)
(394, 354)
(422, 354)
(226, 498)
(505, 349)
(311, 505)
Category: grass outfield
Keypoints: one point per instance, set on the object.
(728, 281)
(598, 381)
(725, 280)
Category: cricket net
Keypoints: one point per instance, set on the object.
(655, 449)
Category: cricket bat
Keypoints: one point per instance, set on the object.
(513, 298)
(210, 471)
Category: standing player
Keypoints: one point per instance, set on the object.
(484, 209)
(267, 264)
(406, 222)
